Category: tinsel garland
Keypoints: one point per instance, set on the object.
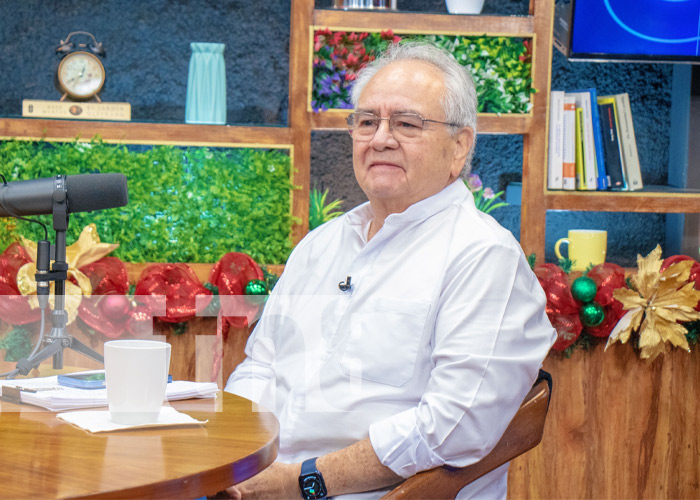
(582, 306)
(106, 303)
(657, 304)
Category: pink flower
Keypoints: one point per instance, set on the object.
(474, 182)
(488, 193)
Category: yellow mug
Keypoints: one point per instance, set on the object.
(586, 247)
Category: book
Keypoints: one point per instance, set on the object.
(628, 142)
(580, 152)
(611, 142)
(556, 140)
(583, 101)
(601, 169)
(569, 144)
(48, 393)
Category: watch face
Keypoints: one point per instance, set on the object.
(81, 74)
(312, 487)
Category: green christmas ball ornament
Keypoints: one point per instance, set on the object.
(584, 289)
(256, 287)
(591, 314)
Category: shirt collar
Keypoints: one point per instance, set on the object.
(452, 194)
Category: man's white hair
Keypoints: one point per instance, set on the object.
(459, 102)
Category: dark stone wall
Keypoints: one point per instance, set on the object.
(148, 53)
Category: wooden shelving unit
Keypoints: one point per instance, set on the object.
(536, 199)
(536, 26)
(296, 136)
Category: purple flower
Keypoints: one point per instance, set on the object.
(488, 193)
(474, 182)
(325, 87)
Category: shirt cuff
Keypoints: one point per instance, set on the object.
(399, 445)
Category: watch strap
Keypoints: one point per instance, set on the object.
(308, 466)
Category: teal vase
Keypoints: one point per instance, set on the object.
(206, 85)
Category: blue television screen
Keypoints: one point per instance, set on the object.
(636, 30)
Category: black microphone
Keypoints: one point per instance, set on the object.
(84, 193)
(345, 285)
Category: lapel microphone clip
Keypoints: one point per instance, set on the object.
(345, 285)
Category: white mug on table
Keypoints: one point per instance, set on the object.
(136, 375)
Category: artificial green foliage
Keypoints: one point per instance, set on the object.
(584, 341)
(271, 279)
(16, 344)
(185, 204)
(693, 334)
(501, 67)
(532, 260)
(565, 265)
(320, 210)
(180, 328)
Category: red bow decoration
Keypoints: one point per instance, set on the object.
(180, 286)
(14, 307)
(562, 309)
(231, 275)
(607, 277)
(109, 311)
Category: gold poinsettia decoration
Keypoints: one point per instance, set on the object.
(660, 300)
(86, 250)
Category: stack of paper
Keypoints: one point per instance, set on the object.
(47, 393)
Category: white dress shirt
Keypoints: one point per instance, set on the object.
(429, 353)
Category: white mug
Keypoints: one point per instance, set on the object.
(136, 375)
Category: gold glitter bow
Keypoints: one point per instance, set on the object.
(86, 250)
(660, 301)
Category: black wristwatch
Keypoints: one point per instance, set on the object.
(311, 481)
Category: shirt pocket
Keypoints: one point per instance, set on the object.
(384, 341)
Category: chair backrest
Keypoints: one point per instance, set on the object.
(523, 433)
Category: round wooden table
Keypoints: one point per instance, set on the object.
(44, 457)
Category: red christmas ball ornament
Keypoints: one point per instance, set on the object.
(115, 307)
(140, 322)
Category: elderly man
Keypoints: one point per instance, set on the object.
(403, 335)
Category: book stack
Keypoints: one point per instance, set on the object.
(592, 145)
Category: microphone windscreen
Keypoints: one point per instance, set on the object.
(88, 192)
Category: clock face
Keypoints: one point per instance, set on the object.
(81, 75)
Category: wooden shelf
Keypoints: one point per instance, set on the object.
(652, 199)
(145, 133)
(439, 24)
(487, 123)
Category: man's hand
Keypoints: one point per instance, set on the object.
(278, 481)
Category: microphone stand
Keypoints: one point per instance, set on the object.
(58, 339)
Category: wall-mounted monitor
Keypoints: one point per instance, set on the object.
(628, 30)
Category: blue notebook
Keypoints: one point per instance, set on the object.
(603, 182)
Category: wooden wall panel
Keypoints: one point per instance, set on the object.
(618, 427)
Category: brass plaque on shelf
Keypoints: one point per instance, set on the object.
(119, 111)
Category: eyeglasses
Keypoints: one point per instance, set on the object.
(404, 127)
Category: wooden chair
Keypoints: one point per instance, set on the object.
(523, 433)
